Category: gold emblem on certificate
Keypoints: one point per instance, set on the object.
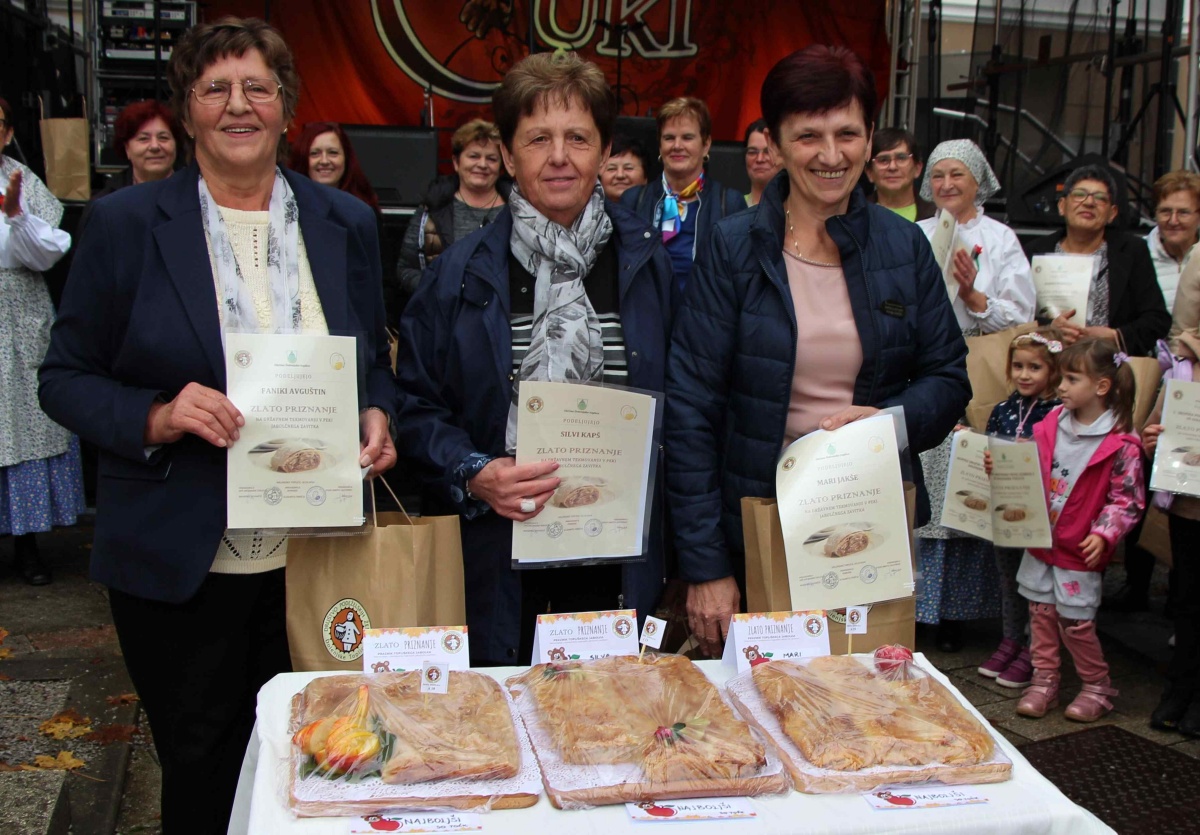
(296, 462)
(841, 505)
(603, 441)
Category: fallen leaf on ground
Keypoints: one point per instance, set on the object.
(6, 767)
(5, 678)
(5, 653)
(108, 734)
(123, 699)
(66, 724)
(65, 761)
(3, 634)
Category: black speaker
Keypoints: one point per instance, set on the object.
(399, 162)
(727, 165)
(1037, 203)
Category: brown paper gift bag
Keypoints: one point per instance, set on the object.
(408, 571)
(1147, 374)
(767, 589)
(68, 160)
(987, 361)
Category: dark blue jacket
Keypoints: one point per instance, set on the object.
(716, 202)
(455, 381)
(139, 321)
(729, 375)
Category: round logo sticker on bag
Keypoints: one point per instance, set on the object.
(343, 629)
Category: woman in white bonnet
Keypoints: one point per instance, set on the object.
(995, 292)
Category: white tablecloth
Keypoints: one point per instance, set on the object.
(1028, 803)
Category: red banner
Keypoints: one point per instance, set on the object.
(370, 61)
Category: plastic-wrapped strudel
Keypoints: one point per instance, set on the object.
(850, 723)
(626, 728)
(364, 744)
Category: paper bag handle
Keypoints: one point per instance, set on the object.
(42, 108)
(391, 493)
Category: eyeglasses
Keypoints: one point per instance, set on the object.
(1182, 215)
(884, 160)
(1080, 195)
(257, 90)
(758, 152)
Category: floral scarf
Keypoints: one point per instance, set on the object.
(283, 262)
(565, 344)
(675, 207)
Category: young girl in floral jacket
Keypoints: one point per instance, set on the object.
(1092, 468)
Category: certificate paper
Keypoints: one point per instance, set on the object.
(944, 244)
(1177, 455)
(296, 462)
(1008, 509)
(841, 505)
(1063, 283)
(603, 441)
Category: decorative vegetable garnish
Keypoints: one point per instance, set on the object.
(342, 744)
(690, 731)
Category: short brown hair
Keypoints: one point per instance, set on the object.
(686, 106)
(559, 77)
(817, 79)
(1174, 181)
(476, 130)
(203, 45)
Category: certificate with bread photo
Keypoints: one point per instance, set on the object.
(841, 505)
(603, 438)
(1177, 455)
(295, 464)
(1008, 507)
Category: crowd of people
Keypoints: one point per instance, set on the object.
(549, 255)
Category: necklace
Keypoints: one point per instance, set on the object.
(796, 244)
(489, 206)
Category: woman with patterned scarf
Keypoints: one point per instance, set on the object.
(561, 286)
(684, 203)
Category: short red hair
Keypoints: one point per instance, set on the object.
(133, 116)
(817, 79)
(353, 179)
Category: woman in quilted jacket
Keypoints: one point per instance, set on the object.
(808, 311)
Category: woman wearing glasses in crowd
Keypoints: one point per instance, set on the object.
(137, 366)
(894, 169)
(1177, 219)
(761, 164)
(994, 292)
(684, 203)
(1125, 303)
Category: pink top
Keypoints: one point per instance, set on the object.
(828, 350)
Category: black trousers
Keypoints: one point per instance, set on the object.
(1185, 598)
(197, 667)
(583, 588)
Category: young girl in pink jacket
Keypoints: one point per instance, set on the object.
(1092, 468)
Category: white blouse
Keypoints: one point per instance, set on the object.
(1004, 275)
(30, 242)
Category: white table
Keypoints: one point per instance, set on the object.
(1028, 803)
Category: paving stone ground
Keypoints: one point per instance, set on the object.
(64, 653)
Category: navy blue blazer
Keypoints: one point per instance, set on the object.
(139, 321)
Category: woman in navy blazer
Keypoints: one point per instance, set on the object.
(136, 366)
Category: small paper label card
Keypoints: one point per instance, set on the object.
(912, 798)
(712, 809)
(401, 650)
(585, 636)
(769, 636)
(417, 822)
(856, 620)
(435, 678)
(652, 632)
